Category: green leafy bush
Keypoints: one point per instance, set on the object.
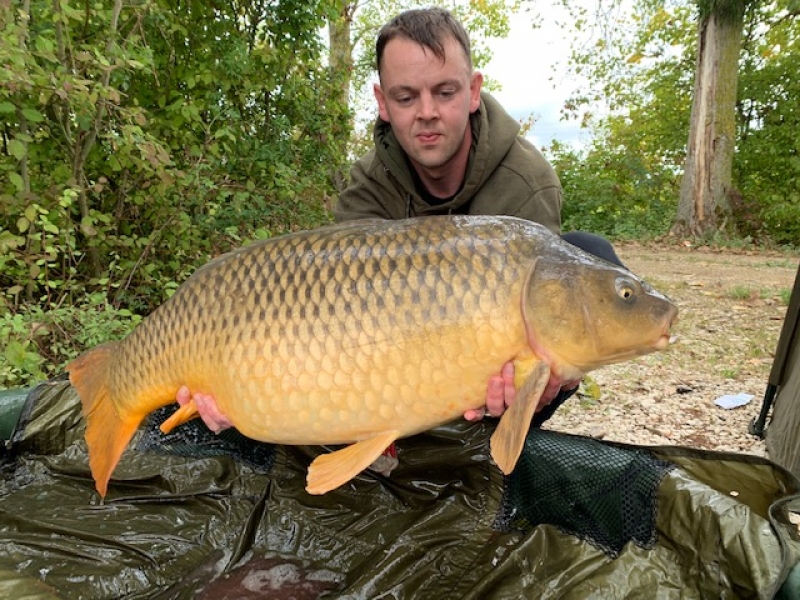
(39, 343)
(142, 139)
(615, 193)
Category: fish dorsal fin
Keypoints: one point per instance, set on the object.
(331, 470)
(509, 437)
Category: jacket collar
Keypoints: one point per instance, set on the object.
(493, 133)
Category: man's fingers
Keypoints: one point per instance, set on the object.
(495, 396)
(509, 390)
(183, 396)
(210, 413)
(500, 393)
(475, 414)
(203, 410)
(207, 408)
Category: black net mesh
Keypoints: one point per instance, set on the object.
(195, 439)
(600, 493)
(548, 411)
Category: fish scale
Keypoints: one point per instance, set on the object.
(356, 333)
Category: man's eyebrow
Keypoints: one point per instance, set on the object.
(448, 82)
(397, 89)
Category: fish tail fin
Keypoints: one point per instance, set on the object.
(107, 431)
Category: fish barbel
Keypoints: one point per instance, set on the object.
(365, 332)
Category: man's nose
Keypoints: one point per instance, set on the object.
(427, 107)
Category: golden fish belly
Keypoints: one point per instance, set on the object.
(410, 385)
(329, 338)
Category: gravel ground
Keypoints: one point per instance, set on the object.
(731, 309)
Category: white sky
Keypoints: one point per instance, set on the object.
(530, 64)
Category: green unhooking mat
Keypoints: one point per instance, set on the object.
(192, 515)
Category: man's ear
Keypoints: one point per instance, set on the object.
(475, 84)
(376, 89)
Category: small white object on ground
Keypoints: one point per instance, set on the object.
(729, 401)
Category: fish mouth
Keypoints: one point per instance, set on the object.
(663, 342)
(667, 338)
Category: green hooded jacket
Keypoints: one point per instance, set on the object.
(506, 175)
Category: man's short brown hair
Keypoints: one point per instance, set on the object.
(429, 27)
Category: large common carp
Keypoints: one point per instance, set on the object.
(365, 332)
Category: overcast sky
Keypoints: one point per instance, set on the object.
(530, 64)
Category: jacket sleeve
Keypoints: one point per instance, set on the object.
(547, 196)
(524, 185)
(361, 200)
(544, 207)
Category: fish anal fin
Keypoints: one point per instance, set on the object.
(509, 437)
(107, 431)
(185, 413)
(329, 471)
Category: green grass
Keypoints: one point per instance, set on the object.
(785, 294)
(744, 293)
(730, 373)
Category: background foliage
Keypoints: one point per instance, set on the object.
(140, 139)
(640, 70)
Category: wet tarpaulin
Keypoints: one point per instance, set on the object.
(201, 516)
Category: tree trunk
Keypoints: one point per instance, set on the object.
(87, 141)
(341, 66)
(341, 48)
(704, 203)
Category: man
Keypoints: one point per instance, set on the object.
(444, 147)
(441, 146)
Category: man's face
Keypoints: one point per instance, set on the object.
(428, 101)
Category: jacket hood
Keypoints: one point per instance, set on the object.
(494, 131)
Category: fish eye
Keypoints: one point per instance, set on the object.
(626, 288)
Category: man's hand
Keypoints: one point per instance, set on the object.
(500, 393)
(206, 407)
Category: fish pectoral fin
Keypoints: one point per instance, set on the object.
(185, 413)
(509, 437)
(329, 471)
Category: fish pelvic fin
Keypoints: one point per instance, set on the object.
(107, 432)
(509, 437)
(329, 471)
(185, 413)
